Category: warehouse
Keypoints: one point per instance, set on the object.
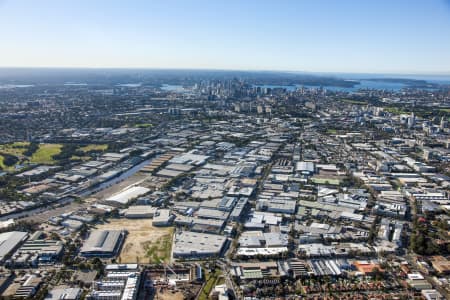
(103, 243)
(65, 293)
(163, 218)
(276, 204)
(305, 167)
(325, 267)
(169, 173)
(208, 213)
(37, 250)
(180, 167)
(9, 241)
(195, 245)
(126, 196)
(238, 210)
(140, 211)
(258, 239)
(189, 158)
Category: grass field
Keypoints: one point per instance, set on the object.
(16, 149)
(2, 166)
(349, 101)
(395, 110)
(42, 156)
(81, 158)
(212, 279)
(331, 131)
(94, 147)
(144, 243)
(143, 125)
(45, 152)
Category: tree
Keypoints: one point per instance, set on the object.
(9, 160)
(54, 236)
(98, 265)
(377, 274)
(32, 148)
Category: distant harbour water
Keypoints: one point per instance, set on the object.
(172, 88)
(75, 84)
(13, 86)
(130, 85)
(363, 84)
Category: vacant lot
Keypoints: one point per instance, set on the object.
(167, 295)
(144, 243)
(44, 155)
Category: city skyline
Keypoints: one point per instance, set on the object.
(405, 37)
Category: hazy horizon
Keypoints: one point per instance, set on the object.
(344, 75)
(380, 37)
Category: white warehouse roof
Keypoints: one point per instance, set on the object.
(9, 241)
(125, 196)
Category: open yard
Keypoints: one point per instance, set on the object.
(144, 243)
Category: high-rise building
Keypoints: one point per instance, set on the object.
(259, 109)
(411, 121)
(444, 123)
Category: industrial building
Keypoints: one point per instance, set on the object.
(119, 283)
(103, 243)
(140, 211)
(127, 195)
(193, 245)
(64, 293)
(163, 217)
(36, 250)
(10, 241)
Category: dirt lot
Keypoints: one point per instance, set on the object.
(144, 243)
(167, 295)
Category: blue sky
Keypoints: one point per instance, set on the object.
(401, 36)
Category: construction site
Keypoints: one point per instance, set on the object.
(172, 282)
